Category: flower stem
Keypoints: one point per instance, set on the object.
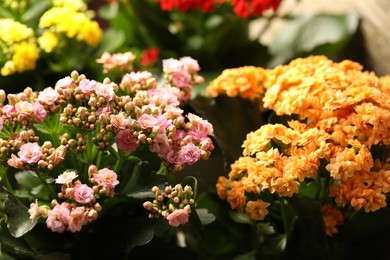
(44, 182)
(286, 224)
(6, 181)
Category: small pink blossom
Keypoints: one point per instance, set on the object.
(1, 123)
(65, 83)
(106, 91)
(39, 112)
(24, 108)
(171, 65)
(167, 95)
(161, 145)
(181, 79)
(188, 154)
(15, 162)
(149, 121)
(126, 141)
(58, 218)
(66, 177)
(30, 153)
(83, 194)
(119, 121)
(191, 65)
(8, 110)
(48, 96)
(87, 86)
(103, 110)
(106, 178)
(77, 219)
(178, 217)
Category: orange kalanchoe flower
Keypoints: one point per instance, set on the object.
(332, 218)
(246, 82)
(341, 143)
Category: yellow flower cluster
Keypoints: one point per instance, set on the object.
(346, 136)
(18, 46)
(68, 18)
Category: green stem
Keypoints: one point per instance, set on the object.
(42, 178)
(284, 217)
(6, 181)
(119, 163)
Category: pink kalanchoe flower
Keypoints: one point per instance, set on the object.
(126, 141)
(66, 177)
(167, 95)
(65, 83)
(77, 219)
(161, 145)
(15, 162)
(149, 121)
(181, 79)
(119, 121)
(8, 110)
(87, 86)
(83, 194)
(171, 65)
(191, 65)
(30, 153)
(39, 112)
(188, 154)
(103, 110)
(48, 96)
(178, 217)
(24, 108)
(106, 178)
(1, 123)
(58, 218)
(106, 91)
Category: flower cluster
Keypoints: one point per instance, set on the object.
(67, 19)
(77, 137)
(18, 47)
(174, 204)
(341, 142)
(66, 26)
(79, 205)
(242, 8)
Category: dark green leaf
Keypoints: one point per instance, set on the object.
(141, 182)
(12, 245)
(275, 244)
(18, 219)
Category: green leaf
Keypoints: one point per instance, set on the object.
(14, 246)
(306, 33)
(18, 219)
(5, 13)
(275, 244)
(109, 11)
(240, 217)
(107, 43)
(141, 182)
(35, 11)
(265, 228)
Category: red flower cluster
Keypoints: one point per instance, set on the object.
(149, 56)
(242, 8)
(185, 5)
(253, 8)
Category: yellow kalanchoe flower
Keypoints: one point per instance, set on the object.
(71, 22)
(18, 46)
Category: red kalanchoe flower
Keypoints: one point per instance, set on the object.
(253, 8)
(149, 56)
(185, 5)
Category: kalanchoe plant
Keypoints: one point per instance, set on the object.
(315, 177)
(79, 160)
